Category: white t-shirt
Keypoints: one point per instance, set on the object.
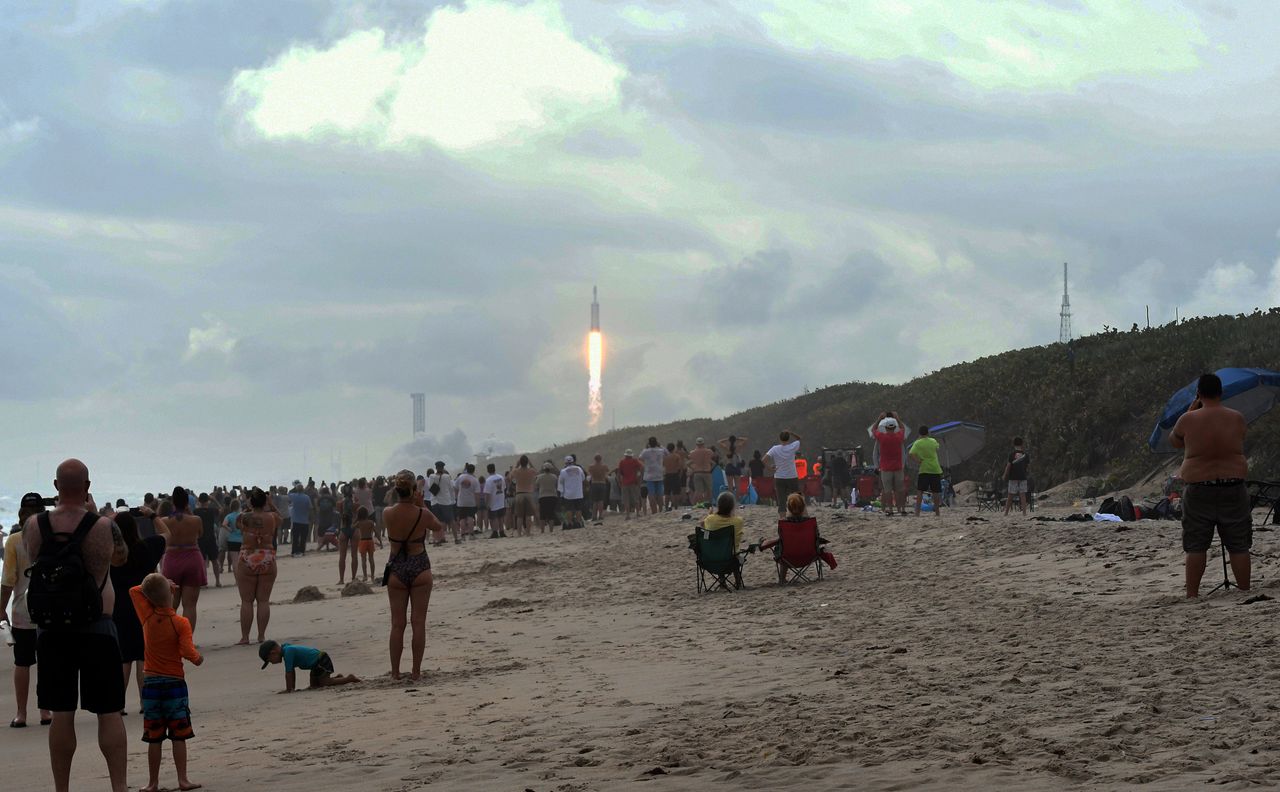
(570, 482)
(652, 459)
(784, 460)
(467, 487)
(446, 495)
(495, 487)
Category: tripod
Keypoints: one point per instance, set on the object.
(1226, 583)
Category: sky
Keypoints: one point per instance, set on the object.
(234, 236)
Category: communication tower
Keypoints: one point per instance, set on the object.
(1064, 316)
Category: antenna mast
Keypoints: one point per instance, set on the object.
(1064, 316)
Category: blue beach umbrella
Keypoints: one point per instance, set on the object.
(1253, 392)
(958, 440)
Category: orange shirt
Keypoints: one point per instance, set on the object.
(166, 637)
(802, 468)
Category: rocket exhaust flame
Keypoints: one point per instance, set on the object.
(595, 360)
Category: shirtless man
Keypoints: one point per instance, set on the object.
(526, 506)
(1214, 467)
(700, 465)
(83, 658)
(599, 473)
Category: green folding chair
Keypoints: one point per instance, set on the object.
(718, 562)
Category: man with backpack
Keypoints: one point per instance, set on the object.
(70, 600)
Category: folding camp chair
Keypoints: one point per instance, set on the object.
(764, 488)
(990, 498)
(1265, 494)
(718, 562)
(798, 551)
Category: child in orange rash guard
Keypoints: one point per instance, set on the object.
(165, 708)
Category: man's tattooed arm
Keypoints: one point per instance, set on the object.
(119, 550)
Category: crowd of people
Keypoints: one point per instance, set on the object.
(136, 616)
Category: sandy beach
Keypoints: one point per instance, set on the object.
(960, 653)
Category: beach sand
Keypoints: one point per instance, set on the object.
(942, 654)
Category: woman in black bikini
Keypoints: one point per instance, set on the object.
(408, 575)
(733, 465)
(345, 533)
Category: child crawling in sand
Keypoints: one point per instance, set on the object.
(364, 532)
(296, 656)
(165, 709)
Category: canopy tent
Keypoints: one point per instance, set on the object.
(958, 441)
(1251, 391)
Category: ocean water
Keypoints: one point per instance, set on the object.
(9, 508)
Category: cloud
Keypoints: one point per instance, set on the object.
(214, 337)
(1019, 46)
(49, 351)
(488, 74)
(1235, 288)
(658, 21)
(16, 132)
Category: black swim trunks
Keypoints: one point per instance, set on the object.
(24, 647)
(1226, 508)
(671, 483)
(84, 662)
(547, 508)
(323, 669)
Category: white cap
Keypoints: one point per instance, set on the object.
(888, 425)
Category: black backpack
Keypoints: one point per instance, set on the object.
(62, 594)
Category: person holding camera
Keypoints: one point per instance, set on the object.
(1214, 468)
(13, 589)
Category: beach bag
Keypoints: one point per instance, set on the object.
(752, 497)
(62, 595)
(1127, 511)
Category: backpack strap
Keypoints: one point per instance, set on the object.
(46, 534)
(56, 543)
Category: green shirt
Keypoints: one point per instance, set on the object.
(926, 450)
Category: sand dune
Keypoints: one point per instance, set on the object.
(942, 654)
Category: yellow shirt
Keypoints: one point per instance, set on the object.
(715, 522)
(15, 567)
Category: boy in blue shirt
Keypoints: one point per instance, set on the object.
(295, 656)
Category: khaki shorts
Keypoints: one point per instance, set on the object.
(893, 480)
(702, 483)
(525, 506)
(630, 497)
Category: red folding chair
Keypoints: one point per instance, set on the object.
(797, 551)
(813, 487)
(764, 488)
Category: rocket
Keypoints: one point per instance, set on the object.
(595, 311)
